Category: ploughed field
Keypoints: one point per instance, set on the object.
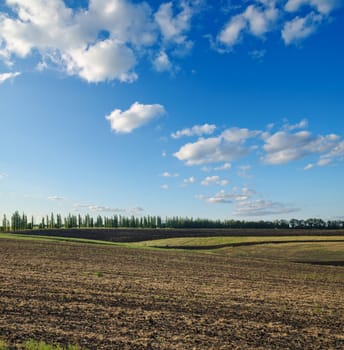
(138, 235)
(110, 297)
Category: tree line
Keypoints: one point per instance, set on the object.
(19, 221)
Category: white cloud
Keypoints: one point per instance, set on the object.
(283, 147)
(223, 197)
(189, 180)
(3, 175)
(262, 207)
(136, 210)
(264, 16)
(260, 20)
(206, 169)
(106, 39)
(324, 161)
(228, 146)
(214, 180)
(8, 76)
(174, 26)
(300, 28)
(256, 20)
(167, 174)
(301, 125)
(322, 6)
(243, 171)
(336, 153)
(197, 130)
(225, 166)
(257, 54)
(106, 60)
(338, 150)
(102, 208)
(56, 198)
(97, 44)
(308, 166)
(162, 62)
(137, 115)
(201, 151)
(279, 147)
(231, 34)
(164, 187)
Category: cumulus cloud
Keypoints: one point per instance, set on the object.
(106, 39)
(300, 28)
(162, 62)
(214, 180)
(231, 34)
(107, 209)
(228, 146)
(322, 6)
(197, 130)
(264, 16)
(262, 207)
(335, 154)
(189, 180)
(225, 166)
(283, 147)
(8, 76)
(100, 42)
(243, 171)
(257, 54)
(245, 204)
(174, 26)
(300, 125)
(167, 174)
(337, 151)
(308, 166)
(137, 115)
(290, 143)
(97, 44)
(223, 197)
(256, 20)
(106, 60)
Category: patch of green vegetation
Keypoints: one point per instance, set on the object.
(41, 345)
(59, 239)
(296, 252)
(230, 240)
(29, 237)
(99, 274)
(314, 249)
(37, 345)
(3, 345)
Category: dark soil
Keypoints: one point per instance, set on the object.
(137, 235)
(104, 297)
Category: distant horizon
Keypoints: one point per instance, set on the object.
(173, 108)
(22, 221)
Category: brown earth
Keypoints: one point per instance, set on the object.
(103, 297)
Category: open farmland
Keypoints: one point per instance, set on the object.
(108, 297)
(140, 235)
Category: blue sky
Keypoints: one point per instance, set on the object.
(233, 110)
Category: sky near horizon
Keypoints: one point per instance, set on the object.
(226, 109)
